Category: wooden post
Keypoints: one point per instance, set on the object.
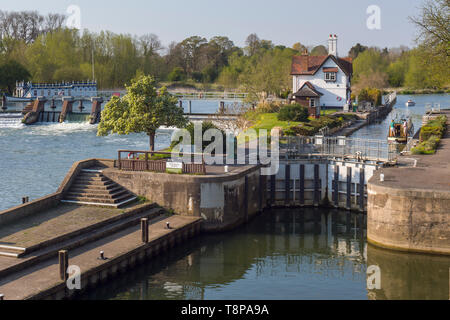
(190, 107)
(63, 264)
(120, 161)
(146, 161)
(144, 229)
(302, 185)
(287, 187)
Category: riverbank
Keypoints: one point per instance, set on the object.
(410, 209)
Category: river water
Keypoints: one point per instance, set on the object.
(281, 254)
(289, 254)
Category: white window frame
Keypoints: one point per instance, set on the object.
(331, 76)
(312, 103)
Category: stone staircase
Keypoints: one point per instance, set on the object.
(11, 252)
(94, 189)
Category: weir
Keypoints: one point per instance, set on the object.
(35, 112)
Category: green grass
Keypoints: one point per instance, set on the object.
(270, 120)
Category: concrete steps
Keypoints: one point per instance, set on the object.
(92, 188)
(11, 252)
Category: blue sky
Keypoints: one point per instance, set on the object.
(282, 21)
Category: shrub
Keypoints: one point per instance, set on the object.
(304, 130)
(293, 112)
(430, 136)
(177, 74)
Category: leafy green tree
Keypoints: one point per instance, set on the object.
(319, 51)
(10, 72)
(177, 74)
(356, 50)
(142, 109)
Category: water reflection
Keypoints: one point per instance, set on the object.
(282, 254)
(410, 276)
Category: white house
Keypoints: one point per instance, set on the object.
(322, 81)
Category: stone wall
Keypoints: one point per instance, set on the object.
(224, 201)
(409, 219)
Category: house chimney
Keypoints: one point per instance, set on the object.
(332, 45)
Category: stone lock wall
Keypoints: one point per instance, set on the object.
(223, 201)
(409, 220)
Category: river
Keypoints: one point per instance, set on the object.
(281, 254)
(284, 254)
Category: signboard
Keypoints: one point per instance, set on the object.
(174, 167)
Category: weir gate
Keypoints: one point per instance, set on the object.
(332, 171)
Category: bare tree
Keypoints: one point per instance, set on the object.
(150, 44)
(434, 25)
(53, 22)
(232, 118)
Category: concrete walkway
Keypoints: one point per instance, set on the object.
(432, 171)
(45, 275)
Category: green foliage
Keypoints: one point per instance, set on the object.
(372, 95)
(10, 72)
(206, 125)
(177, 74)
(293, 112)
(430, 136)
(142, 109)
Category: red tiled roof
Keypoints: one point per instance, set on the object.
(306, 65)
(307, 90)
(330, 69)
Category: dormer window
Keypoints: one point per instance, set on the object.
(330, 76)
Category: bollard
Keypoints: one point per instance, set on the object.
(2, 297)
(168, 225)
(25, 200)
(63, 265)
(144, 229)
(102, 255)
(190, 107)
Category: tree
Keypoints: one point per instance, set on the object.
(319, 51)
(356, 50)
(10, 72)
(299, 48)
(142, 109)
(434, 26)
(253, 44)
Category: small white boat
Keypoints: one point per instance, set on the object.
(410, 103)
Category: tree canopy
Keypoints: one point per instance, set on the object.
(142, 109)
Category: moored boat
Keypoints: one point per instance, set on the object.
(400, 130)
(410, 103)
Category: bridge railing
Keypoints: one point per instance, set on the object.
(341, 147)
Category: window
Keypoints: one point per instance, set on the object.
(312, 103)
(330, 76)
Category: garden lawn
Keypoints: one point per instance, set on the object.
(270, 120)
